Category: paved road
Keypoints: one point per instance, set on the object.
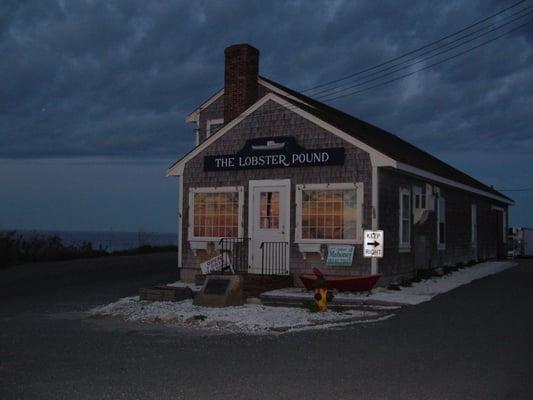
(475, 342)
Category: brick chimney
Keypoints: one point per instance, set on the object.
(240, 79)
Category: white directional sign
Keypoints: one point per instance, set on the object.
(373, 244)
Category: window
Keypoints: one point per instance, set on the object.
(405, 218)
(215, 212)
(269, 210)
(419, 198)
(329, 213)
(212, 126)
(473, 224)
(441, 223)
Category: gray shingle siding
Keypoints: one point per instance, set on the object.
(425, 253)
(273, 120)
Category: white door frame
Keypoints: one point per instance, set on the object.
(252, 184)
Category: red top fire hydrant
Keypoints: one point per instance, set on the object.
(322, 294)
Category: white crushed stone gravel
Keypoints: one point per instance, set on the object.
(418, 292)
(249, 318)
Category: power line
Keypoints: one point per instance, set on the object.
(516, 190)
(325, 98)
(431, 65)
(357, 83)
(416, 50)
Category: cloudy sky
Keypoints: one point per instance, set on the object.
(93, 94)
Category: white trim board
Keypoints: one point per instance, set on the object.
(209, 122)
(218, 189)
(359, 195)
(433, 177)
(252, 184)
(195, 115)
(377, 158)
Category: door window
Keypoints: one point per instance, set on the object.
(269, 210)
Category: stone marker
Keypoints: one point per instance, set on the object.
(220, 291)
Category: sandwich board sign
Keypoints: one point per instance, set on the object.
(373, 244)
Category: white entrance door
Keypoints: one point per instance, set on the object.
(269, 226)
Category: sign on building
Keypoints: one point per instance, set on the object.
(340, 256)
(373, 243)
(215, 264)
(274, 152)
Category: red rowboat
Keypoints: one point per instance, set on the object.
(343, 283)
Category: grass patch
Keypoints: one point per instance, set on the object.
(145, 249)
(17, 249)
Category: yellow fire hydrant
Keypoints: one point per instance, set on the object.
(322, 295)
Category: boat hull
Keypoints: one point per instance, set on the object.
(343, 283)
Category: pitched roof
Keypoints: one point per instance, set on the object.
(381, 140)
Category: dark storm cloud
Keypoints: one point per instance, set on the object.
(117, 78)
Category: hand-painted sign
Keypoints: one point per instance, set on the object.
(274, 152)
(373, 244)
(340, 256)
(215, 264)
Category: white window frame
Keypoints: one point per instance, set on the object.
(359, 187)
(212, 122)
(473, 225)
(441, 202)
(404, 245)
(220, 189)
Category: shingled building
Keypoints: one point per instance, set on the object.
(278, 180)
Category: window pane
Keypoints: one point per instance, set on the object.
(405, 231)
(329, 214)
(269, 210)
(216, 214)
(405, 206)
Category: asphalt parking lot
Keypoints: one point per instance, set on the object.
(474, 342)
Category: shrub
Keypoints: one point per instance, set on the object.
(426, 273)
(16, 249)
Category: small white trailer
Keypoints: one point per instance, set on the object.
(520, 242)
(527, 243)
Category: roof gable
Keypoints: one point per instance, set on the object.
(385, 148)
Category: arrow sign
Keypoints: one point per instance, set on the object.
(373, 244)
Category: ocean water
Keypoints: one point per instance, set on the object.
(108, 240)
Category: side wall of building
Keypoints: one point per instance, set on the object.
(424, 251)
